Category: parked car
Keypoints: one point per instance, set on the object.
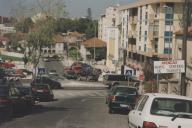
(27, 93)
(53, 73)
(121, 98)
(42, 92)
(11, 101)
(46, 80)
(7, 65)
(155, 110)
(116, 79)
(24, 91)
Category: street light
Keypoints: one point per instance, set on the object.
(170, 10)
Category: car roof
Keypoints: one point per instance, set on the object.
(162, 95)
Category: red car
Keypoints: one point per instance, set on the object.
(7, 65)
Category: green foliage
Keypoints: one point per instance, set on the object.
(40, 36)
(99, 53)
(4, 57)
(82, 25)
(74, 54)
(24, 25)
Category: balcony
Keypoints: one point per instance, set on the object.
(153, 32)
(132, 48)
(133, 20)
(132, 34)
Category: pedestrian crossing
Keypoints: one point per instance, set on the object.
(65, 94)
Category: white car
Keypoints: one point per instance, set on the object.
(156, 110)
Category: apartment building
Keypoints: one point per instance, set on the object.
(147, 28)
(108, 31)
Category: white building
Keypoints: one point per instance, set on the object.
(108, 31)
(5, 29)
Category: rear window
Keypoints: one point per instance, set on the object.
(116, 77)
(170, 107)
(4, 91)
(41, 86)
(24, 91)
(125, 90)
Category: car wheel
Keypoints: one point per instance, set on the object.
(111, 111)
(128, 123)
(106, 102)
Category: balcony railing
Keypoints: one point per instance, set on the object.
(132, 34)
(132, 48)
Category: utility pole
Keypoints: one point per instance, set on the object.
(186, 19)
(94, 40)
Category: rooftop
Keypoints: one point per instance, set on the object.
(58, 39)
(145, 2)
(94, 42)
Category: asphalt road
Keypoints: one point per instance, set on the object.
(72, 109)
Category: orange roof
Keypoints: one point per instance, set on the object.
(2, 38)
(94, 42)
(58, 39)
(76, 34)
(180, 32)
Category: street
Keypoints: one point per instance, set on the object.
(71, 109)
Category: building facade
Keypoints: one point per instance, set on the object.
(147, 28)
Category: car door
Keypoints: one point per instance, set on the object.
(15, 98)
(135, 117)
(132, 114)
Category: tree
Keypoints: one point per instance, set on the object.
(24, 25)
(40, 35)
(82, 25)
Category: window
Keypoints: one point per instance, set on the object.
(138, 102)
(142, 104)
(145, 35)
(168, 40)
(168, 107)
(168, 50)
(168, 33)
(146, 18)
(168, 36)
(139, 48)
(145, 48)
(168, 16)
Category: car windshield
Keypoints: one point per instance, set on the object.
(172, 107)
(125, 90)
(3, 91)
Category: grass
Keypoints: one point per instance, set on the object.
(4, 57)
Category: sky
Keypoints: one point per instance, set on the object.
(75, 8)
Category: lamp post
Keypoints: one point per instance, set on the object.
(186, 22)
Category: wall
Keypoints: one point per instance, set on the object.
(14, 54)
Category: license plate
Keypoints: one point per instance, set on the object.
(39, 90)
(123, 105)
